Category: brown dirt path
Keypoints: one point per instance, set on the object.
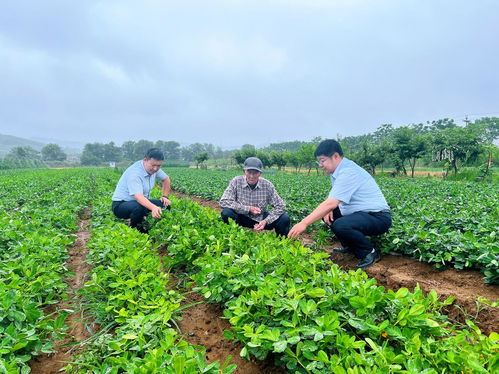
(203, 324)
(79, 327)
(395, 271)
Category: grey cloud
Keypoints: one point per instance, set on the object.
(197, 71)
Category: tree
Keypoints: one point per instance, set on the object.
(265, 158)
(238, 157)
(21, 157)
(111, 152)
(488, 128)
(456, 145)
(93, 154)
(53, 152)
(283, 147)
(370, 156)
(97, 153)
(246, 151)
(171, 149)
(353, 144)
(277, 159)
(23, 153)
(306, 156)
(189, 153)
(418, 146)
(200, 158)
(293, 159)
(219, 153)
(383, 132)
(441, 124)
(141, 148)
(408, 144)
(128, 150)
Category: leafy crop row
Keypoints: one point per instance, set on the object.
(284, 299)
(129, 295)
(38, 213)
(440, 222)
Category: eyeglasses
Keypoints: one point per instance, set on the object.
(321, 161)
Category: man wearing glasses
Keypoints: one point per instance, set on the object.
(131, 196)
(355, 207)
(246, 198)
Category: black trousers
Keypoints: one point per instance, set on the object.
(351, 230)
(281, 225)
(133, 210)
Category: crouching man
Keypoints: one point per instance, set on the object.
(131, 196)
(355, 207)
(246, 198)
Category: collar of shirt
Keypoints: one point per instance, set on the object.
(340, 166)
(246, 185)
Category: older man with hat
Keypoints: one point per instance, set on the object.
(247, 197)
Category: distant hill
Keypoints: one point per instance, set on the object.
(7, 142)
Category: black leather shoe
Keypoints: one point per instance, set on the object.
(143, 229)
(342, 250)
(370, 259)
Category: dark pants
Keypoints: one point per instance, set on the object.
(133, 210)
(281, 225)
(351, 230)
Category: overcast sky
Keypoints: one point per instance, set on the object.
(230, 72)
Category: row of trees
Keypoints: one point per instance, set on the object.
(50, 152)
(26, 156)
(436, 143)
(97, 153)
(441, 142)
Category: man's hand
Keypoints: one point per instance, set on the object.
(156, 211)
(328, 218)
(165, 201)
(254, 210)
(260, 226)
(297, 229)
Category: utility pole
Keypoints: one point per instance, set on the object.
(466, 120)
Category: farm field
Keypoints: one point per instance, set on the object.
(284, 301)
(440, 222)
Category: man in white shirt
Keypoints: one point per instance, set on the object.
(355, 207)
(131, 196)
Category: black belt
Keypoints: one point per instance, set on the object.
(381, 211)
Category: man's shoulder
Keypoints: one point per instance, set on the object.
(350, 167)
(237, 179)
(134, 169)
(135, 166)
(265, 182)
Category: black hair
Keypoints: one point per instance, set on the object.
(155, 153)
(328, 148)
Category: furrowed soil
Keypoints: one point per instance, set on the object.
(203, 323)
(80, 328)
(394, 272)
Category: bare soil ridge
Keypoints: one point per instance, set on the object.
(202, 324)
(79, 328)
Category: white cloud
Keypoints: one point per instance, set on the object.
(112, 72)
(15, 57)
(255, 56)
